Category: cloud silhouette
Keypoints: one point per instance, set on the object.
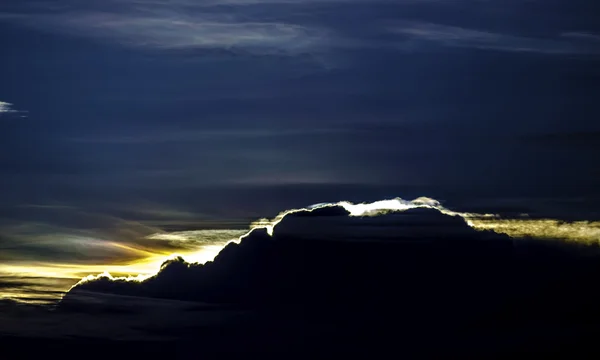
(322, 255)
(412, 265)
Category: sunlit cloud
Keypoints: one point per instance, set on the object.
(585, 232)
(33, 290)
(91, 258)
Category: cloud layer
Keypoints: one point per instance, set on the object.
(290, 27)
(369, 267)
(416, 265)
(168, 26)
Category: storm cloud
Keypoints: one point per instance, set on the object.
(419, 259)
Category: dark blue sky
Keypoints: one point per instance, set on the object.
(185, 113)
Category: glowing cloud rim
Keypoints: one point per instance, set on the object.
(374, 209)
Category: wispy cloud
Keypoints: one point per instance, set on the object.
(581, 36)
(171, 25)
(471, 38)
(6, 107)
(203, 135)
(280, 27)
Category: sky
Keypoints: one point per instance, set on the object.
(124, 119)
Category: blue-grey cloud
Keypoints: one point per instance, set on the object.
(204, 135)
(293, 27)
(175, 29)
(455, 36)
(582, 36)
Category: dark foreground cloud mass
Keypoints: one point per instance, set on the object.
(418, 265)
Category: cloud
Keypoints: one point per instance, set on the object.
(7, 108)
(376, 208)
(378, 222)
(205, 135)
(286, 263)
(455, 36)
(32, 290)
(72, 230)
(68, 242)
(583, 232)
(167, 27)
(286, 27)
(361, 268)
(80, 244)
(581, 36)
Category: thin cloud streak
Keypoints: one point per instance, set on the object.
(454, 36)
(7, 108)
(203, 135)
(168, 29)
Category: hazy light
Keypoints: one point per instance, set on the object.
(198, 246)
(578, 231)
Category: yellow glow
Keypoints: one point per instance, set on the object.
(197, 246)
(76, 271)
(578, 231)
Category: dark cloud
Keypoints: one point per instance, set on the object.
(300, 262)
(419, 264)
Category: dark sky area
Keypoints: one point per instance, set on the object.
(190, 114)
